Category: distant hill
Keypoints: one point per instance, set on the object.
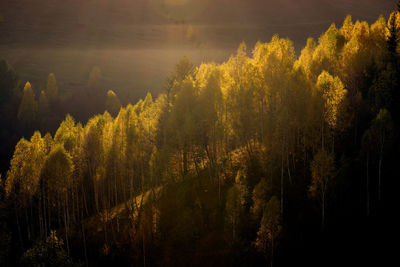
(69, 13)
(133, 40)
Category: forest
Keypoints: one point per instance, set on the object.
(267, 159)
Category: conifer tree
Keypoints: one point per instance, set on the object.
(113, 105)
(52, 88)
(28, 108)
(94, 78)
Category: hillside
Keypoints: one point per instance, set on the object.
(272, 156)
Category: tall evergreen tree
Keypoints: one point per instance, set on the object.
(113, 105)
(28, 108)
(52, 88)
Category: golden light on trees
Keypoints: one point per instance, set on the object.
(222, 160)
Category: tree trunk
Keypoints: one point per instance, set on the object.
(288, 166)
(19, 228)
(380, 170)
(41, 224)
(322, 134)
(27, 223)
(282, 181)
(44, 214)
(65, 223)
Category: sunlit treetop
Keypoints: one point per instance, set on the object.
(333, 93)
(113, 104)
(66, 134)
(379, 32)
(28, 107)
(361, 32)
(347, 28)
(57, 171)
(306, 56)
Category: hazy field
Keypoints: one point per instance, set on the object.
(136, 47)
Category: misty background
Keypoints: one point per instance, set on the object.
(136, 43)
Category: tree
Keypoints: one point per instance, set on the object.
(66, 134)
(15, 173)
(51, 89)
(26, 167)
(261, 195)
(93, 154)
(347, 28)
(381, 130)
(240, 98)
(393, 36)
(330, 95)
(305, 60)
(322, 174)
(234, 207)
(49, 253)
(94, 78)
(182, 70)
(23, 178)
(56, 173)
(113, 105)
(270, 228)
(326, 53)
(28, 107)
(183, 127)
